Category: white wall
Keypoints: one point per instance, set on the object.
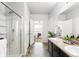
(74, 15)
(2, 21)
(66, 27)
(44, 18)
(26, 27)
(31, 31)
(52, 23)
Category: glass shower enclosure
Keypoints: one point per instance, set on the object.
(12, 30)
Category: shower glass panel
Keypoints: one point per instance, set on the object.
(12, 30)
(14, 35)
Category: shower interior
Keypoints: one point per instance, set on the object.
(12, 31)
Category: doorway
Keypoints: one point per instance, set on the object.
(38, 25)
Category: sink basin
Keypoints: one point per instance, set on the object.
(74, 50)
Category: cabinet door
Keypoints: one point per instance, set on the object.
(55, 51)
(50, 48)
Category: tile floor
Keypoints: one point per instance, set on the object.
(39, 50)
(39, 40)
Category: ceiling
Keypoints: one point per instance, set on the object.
(40, 7)
(72, 7)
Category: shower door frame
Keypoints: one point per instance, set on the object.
(20, 28)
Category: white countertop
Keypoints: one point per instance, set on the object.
(59, 43)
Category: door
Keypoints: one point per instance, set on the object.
(15, 35)
(14, 40)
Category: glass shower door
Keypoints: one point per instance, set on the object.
(14, 46)
(13, 31)
(13, 34)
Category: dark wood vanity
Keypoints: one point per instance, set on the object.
(54, 51)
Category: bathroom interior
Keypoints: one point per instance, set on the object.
(25, 26)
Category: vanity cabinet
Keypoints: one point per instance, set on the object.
(54, 51)
(50, 48)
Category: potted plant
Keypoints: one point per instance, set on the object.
(50, 34)
(66, 37)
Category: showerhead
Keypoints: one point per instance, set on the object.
(10, 12)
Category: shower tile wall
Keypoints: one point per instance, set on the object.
(2, 21)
